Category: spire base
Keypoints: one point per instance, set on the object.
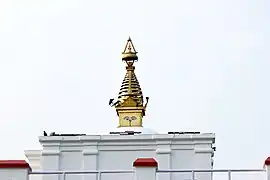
(134, 130)
(130, 116)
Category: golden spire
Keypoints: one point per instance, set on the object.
(129, 104)
(129, 54)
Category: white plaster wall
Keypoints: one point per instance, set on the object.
(118, 152)
(13, 174)
(33, 157)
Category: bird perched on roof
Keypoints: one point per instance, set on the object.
(52, 134)
(44, 133)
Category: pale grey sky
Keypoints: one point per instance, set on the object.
(203, 63)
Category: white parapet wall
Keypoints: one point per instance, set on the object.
(143, 169)
(33, 157)
(117, 152)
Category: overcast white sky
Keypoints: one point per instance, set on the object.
(203, 63)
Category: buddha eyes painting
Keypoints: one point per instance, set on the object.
(128, 118)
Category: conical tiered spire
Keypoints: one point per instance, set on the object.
(131, 88)
(129, 104)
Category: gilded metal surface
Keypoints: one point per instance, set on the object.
(129, 53)
(130, 98)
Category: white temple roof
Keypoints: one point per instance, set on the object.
(141, 130)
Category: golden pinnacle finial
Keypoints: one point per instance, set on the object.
(129, 54)
(130, 106)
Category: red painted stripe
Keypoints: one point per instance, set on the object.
(267, 161)
(22, 164)
(145, 162)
